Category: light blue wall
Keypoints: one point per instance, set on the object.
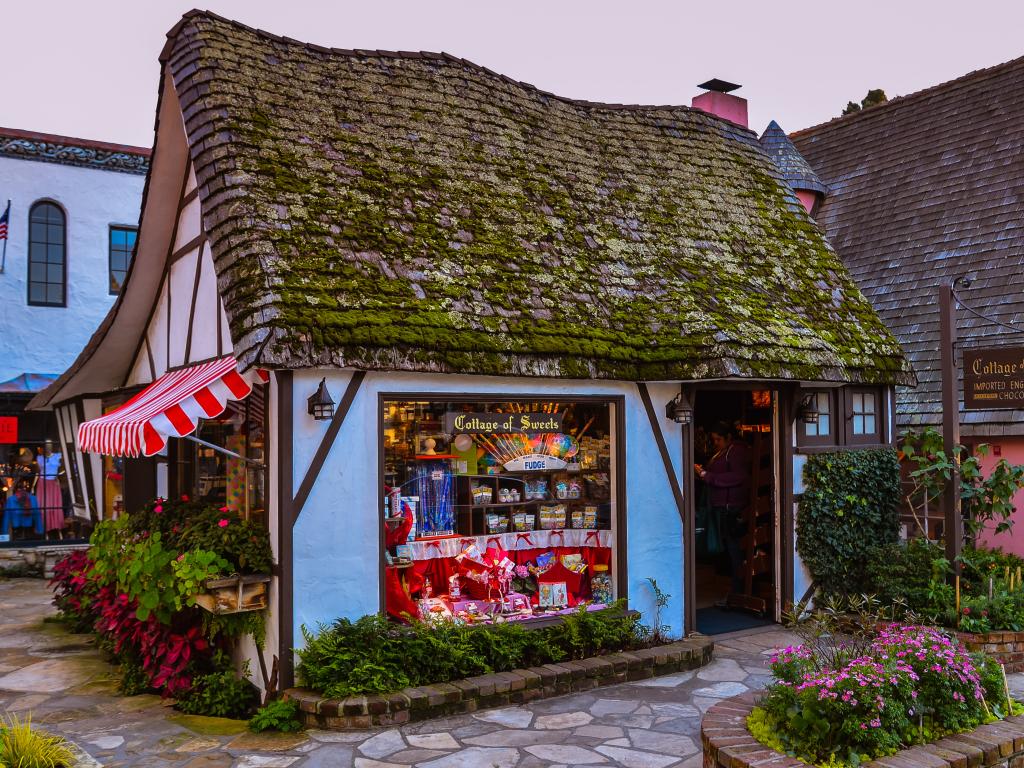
(336, 539)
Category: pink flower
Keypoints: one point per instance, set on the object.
(158, 509)
(181, 557)
(184, 497)
(223, 523)
(223, 509)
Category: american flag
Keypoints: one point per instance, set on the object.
(3, 221)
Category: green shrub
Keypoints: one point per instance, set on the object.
(372, 655)
(22, 747)
(277, 715)
(134, 679)
(220, 694)
(917, 574)
(848, 509)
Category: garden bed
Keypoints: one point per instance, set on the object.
(517, 686)
(728, 743)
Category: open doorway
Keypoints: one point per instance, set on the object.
(736, 525)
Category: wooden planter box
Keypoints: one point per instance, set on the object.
(235, 594)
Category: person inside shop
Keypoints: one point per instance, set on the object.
(727, 476)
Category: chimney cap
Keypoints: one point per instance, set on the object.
(721, 86)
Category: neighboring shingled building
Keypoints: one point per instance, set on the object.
(922, 190)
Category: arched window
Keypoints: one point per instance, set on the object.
(47, 256)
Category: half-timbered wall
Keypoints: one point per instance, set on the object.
(188, 323)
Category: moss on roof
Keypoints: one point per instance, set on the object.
(417, 212)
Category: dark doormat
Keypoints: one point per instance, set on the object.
(718, 621)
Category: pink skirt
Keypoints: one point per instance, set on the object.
(51, 503)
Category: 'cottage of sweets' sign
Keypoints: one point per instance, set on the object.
(501, 423)
(993, 378)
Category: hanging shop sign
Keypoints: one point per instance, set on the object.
(501, 423)
(994, 378)
(8, 430)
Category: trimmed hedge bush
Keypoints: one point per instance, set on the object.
(849, 508)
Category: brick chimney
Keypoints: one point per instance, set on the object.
(717, 100)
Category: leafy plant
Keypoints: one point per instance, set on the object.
(371, 655)
(659, 631)
(23, 747)
(74, 589)
(987, 500)
(848, 509)
(278, 715)
(858, 701)
(220, 692)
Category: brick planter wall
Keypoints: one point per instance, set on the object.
(728, 744)
(1007, 647)
(499, 689)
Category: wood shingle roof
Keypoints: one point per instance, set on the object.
(414, 211)
(924, 189)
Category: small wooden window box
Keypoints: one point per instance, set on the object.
(235, 594)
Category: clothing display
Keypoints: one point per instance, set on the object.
(48, 493)
(22, 511)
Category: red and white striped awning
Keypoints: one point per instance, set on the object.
(169, 407)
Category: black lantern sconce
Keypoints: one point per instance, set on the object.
(321, 404)
(679, 410)
(808, 410)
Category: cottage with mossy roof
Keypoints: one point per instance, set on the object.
(436, 326)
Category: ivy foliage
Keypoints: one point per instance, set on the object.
(850, 507)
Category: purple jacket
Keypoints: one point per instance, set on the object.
(728, 476)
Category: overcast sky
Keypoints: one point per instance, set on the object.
(89, 69)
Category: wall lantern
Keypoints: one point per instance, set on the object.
(679, 410)
(808, 410)
(321, 404)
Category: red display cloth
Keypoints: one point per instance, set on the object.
(396, 601)
(440, 569)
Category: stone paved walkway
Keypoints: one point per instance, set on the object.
(62, 681)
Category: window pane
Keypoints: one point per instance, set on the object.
(116, 279)
(55, 254)
(869, 402)
(55, 294)
(869, 425)
(37, 232)
(55, 233)
(858, 424)
(132, 235)
(823, 425)
(55, 273)
(37, 292)
(37, 273)
(117, 237)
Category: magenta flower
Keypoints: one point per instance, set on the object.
(223, 523)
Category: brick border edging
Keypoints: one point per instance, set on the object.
(728, 744)
(498, 689)
(1004, 646)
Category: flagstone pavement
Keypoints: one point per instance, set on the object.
(61, 680)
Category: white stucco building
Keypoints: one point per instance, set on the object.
(88, 194)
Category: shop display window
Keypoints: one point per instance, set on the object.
(213, 476)
(498, 510)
